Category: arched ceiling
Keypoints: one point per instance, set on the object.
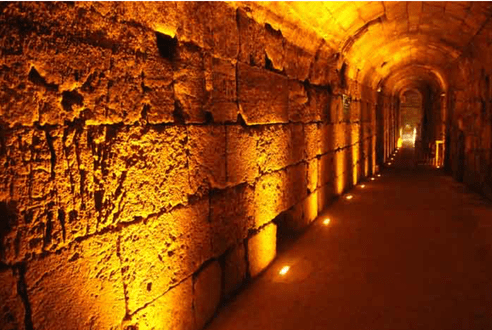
(378, 39)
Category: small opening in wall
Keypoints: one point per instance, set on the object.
(167, 45)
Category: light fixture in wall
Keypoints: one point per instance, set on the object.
(284, 270)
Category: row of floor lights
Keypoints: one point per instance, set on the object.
(285, 269)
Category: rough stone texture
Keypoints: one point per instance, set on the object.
(242, 154)
(231, 216)
(80, 288)
(163, 252)
(173, 310)
(207, 156)
(235, 269)
(262, 249)
(207, 293)
(12, 312)
(263, 95)
(139, 143)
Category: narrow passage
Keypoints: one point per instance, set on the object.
(410, 250)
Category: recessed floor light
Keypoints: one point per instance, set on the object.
(349, 197)
(284, 270)
(326, 222)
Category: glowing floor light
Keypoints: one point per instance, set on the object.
(326, 222)
(372, 179)
(362, 185)
(379, 175)
(389, 164)
(349, 197)
(284, 270)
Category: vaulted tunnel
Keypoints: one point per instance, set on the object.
(156, 156)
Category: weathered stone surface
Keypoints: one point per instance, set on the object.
(274, 48)
(223, 91)
(242, 154)
(298, 101)
(164, 251)
(207, 293)
(297, 62)
(326, 169)
(234, 269)
(12, 309)
(312, 175)
(189, 84)
(172, 311)
(262, 248)
(280, 146)
(251, 40)
(207, 157)
(231, 216)
(312, 135)
(225, 31)
(79, 288)
(263, 95)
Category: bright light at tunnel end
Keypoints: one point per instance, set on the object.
(284, 270)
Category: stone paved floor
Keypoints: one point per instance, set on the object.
(412, 250)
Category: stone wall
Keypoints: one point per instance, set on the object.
(150, 153)
(470, 115)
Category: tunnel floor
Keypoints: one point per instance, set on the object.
(411, 250)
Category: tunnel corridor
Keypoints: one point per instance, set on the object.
(161, 162)
(410, 250)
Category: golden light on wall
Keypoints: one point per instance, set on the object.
(355, 161)
(339, 172)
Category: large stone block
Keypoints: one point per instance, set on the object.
(297, 62)
(242, 154)
(79, 288)
(298, 101)
(225, 31)
(310, 207)
(194, 23)
(234, 269)
(221, 86)
(312, 174)
(269, 197)
(280, 146)
(162, 252)
(262, 249)
(189, 84)
(312, 139)
(231, 216)
(263, 95)
(251, 40)
(207, 293)
(139, 172)
(326, 169)
(171, 311)
(12, 311)
(207, 157)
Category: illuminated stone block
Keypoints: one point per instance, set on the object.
(310, 206)
(164, 251)
(231, 216)
(222, 90)
(171, 311)
(242, 155)
(189, 84)
(11, 307)
(262, 248)
(207, 155)
(297, 62)
(312, 140)
(207, 293)
(312, 175)
(234, 269)
(78, 288)
(251, 40)
(298, 101)
(256, 87)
